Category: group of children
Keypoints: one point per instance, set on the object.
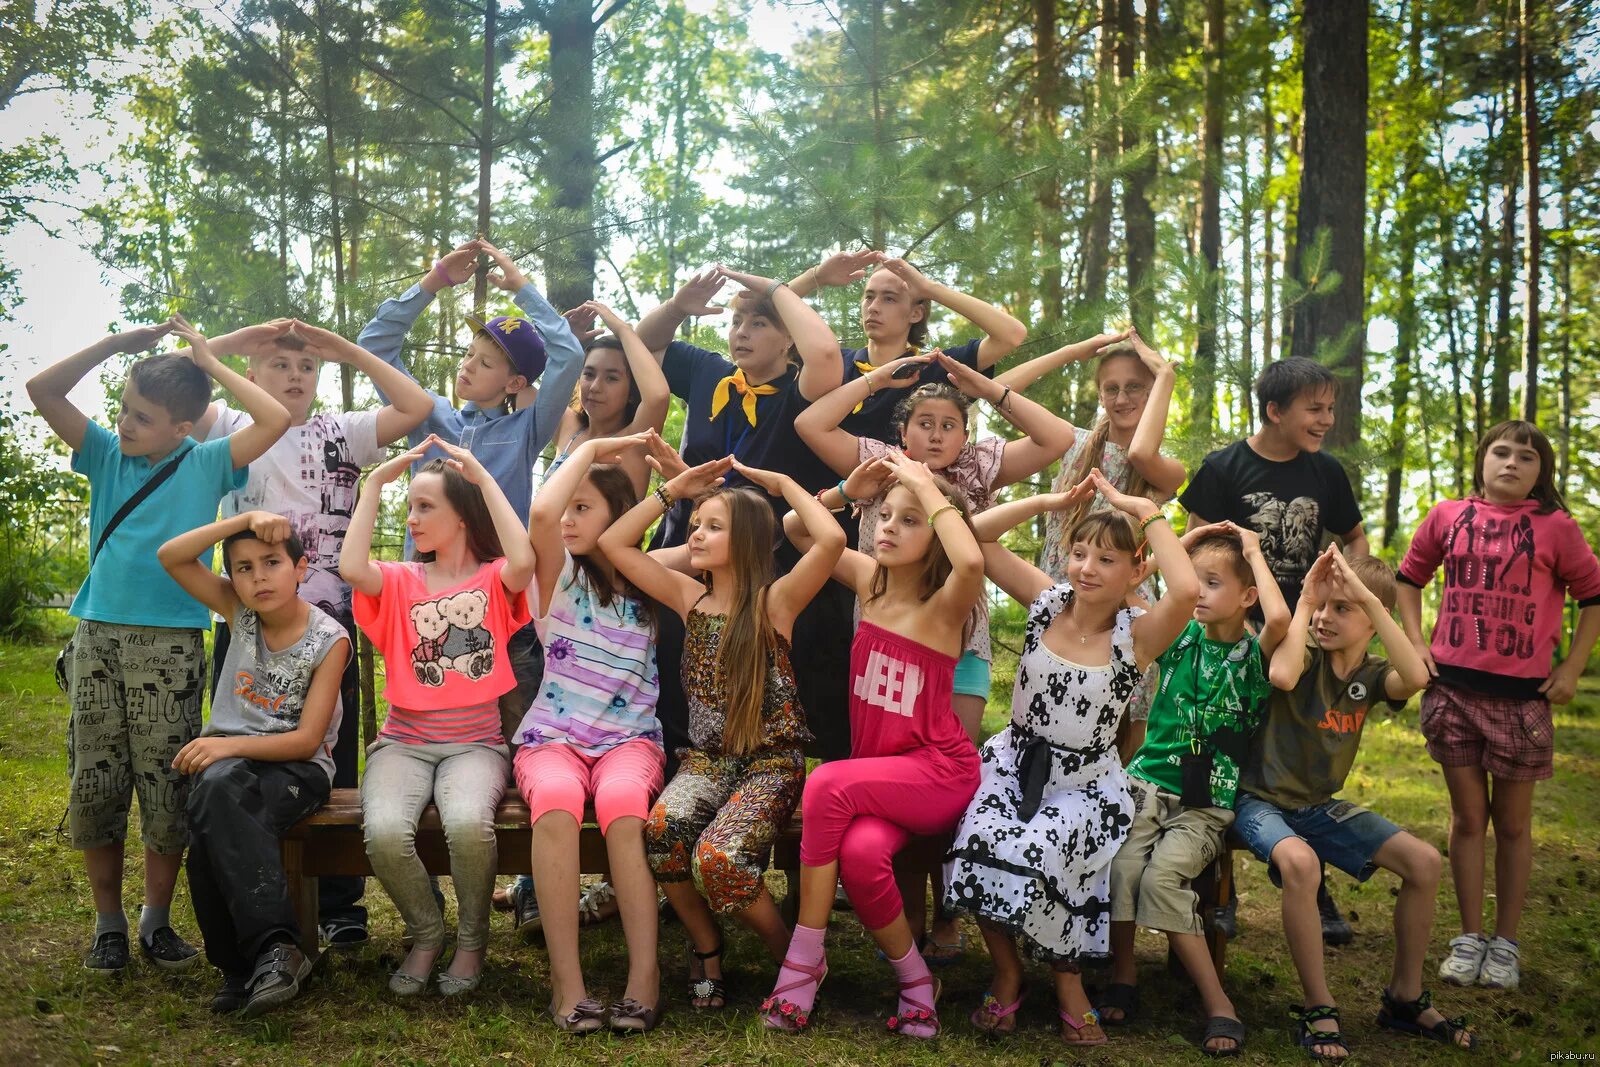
(529, 638)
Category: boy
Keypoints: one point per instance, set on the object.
(265, 761)
(309, 477)
(136, 666)
(1279, 483)
(1184, 776)
(1286, 812)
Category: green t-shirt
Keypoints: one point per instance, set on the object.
(1306, 746)
(1213, 690)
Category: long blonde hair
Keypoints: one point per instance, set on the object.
(744, 652)
(1094, 448)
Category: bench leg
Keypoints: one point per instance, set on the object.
(790, 908)
(303, 892)
(1214, 936)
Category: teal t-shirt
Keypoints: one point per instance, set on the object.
(126, 583)
(1216, 690)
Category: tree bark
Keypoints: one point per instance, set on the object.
(573, 167)
(1533, 235)
(1333, 193)
(1138, 219)
(1269, 325)
(1097, 237)
(480, 278)
(1047, 104)
(1407, 220)
(1564, 280)
(1500, 372)
(1202, 413)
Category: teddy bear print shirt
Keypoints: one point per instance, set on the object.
(444, 652)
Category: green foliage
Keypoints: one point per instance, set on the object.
(43, 543)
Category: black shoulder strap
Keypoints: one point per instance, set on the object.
(138, 498)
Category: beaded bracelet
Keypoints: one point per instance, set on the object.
(665, 497)
(1145, 525)
(940, 511)
(848, 499)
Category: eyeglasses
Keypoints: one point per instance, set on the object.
(1134, 391)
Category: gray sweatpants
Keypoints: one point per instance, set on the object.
(465, 782)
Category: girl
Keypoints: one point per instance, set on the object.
(736, 787)
(1032, 856)
(1511, 554)
(912, 767)
(441, 623)
(1135, 386)
(620, 393)
(591, 734)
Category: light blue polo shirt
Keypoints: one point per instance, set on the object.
(126, 583)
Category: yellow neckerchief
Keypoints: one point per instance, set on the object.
(867, 368)
(735, 383)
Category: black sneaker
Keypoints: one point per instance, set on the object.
(232, 996)
(168, 951)
(525, 909)
(278, 974)
(108, 956)
(341, 935)
(1226, 918)
(1336, 928)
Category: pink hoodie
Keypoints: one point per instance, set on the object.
(1507, 572)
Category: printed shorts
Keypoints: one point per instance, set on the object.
(135, 694)
(1508, 738)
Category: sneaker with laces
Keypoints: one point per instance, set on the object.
(1461, 967)
(1502, 965)
(1335, 927)
(525, 909)
(168, 951)
(108, 955)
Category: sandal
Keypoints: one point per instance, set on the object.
(704, 988)
(586, 1017)
(786, 1014)
(1402, 1015)
(1311, 1037)
(991, 1013)
(628, 1016)
(1118, 996)
(930, 947)
(1090, 1018)
(920, 1014)
(1220, 1026)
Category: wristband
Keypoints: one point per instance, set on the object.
(664, 496)
(773, 288)
(940, 511)
(1001, 406)
(438, 268)
(1145, 525)
(824, 503)
(848, 499)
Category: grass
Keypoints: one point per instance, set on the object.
(50, 1012)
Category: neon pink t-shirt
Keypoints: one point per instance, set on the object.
(900, 700)
(1507, 571)
(443, 653)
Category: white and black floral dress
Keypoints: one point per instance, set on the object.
(1033, 851)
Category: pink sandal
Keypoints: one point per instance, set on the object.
(996, 1013)
(1090, 1018)
(920, 1014)
(785, 1014)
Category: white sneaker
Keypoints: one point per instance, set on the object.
(1461, 967)
(1502, 965)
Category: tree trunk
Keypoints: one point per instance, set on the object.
(1203, 411)
(1533, 237)
(1500, 373)
(1564, 280)
(1269, 324)
(347, 381)
(1047, 104)
(1247, 360)
(1097, 239)
(1138, 220)
(480, 279)
(571, 152)
(1333, 194)
(1482, 291)
(1408, 218)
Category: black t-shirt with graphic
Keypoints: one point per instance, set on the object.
(1292, 504)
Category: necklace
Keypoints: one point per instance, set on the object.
(1083, 638)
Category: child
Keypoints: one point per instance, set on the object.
(912, 767)
(592, 733)
(1033, 854)
(1511, 554)
(310, 478)
(136, 663)
(1185, 775)
(736, 787)
(265, 760)
(1279, 483)
(1135, 386)
(1324, 681)
(442, 623)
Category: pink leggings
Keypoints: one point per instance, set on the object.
(862, 811)
(623, 780)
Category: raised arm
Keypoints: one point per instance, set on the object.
(821, 362)
(295, 745)
(693, 298)
(49, 388)
(518, 571)
(1049, 435)
(965, 584)
(409, 403)
(1410, 674)
(620, 542)
(550, 504)
(355, 557)
(269, 420)
(1157, 628)
(1163, 473)
(992, 524)
(818, 425)
(563, 353)
(1288, 661)
(1275, 614)
(654, 396)
(181, 557)
(1003, 333)
(1023, 375)
(789, 594)
(839, 269)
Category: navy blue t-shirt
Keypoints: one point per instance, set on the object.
(876, 417)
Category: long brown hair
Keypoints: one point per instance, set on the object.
(1544, 490)
(1095, 447)
(611, 343)
(483, 541)
(616, 489)
(936, 565)
(744, 652)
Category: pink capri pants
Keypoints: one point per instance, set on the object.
(621, 781)
(860, 812)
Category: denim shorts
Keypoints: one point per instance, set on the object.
(972, 675)
(1339, 832)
